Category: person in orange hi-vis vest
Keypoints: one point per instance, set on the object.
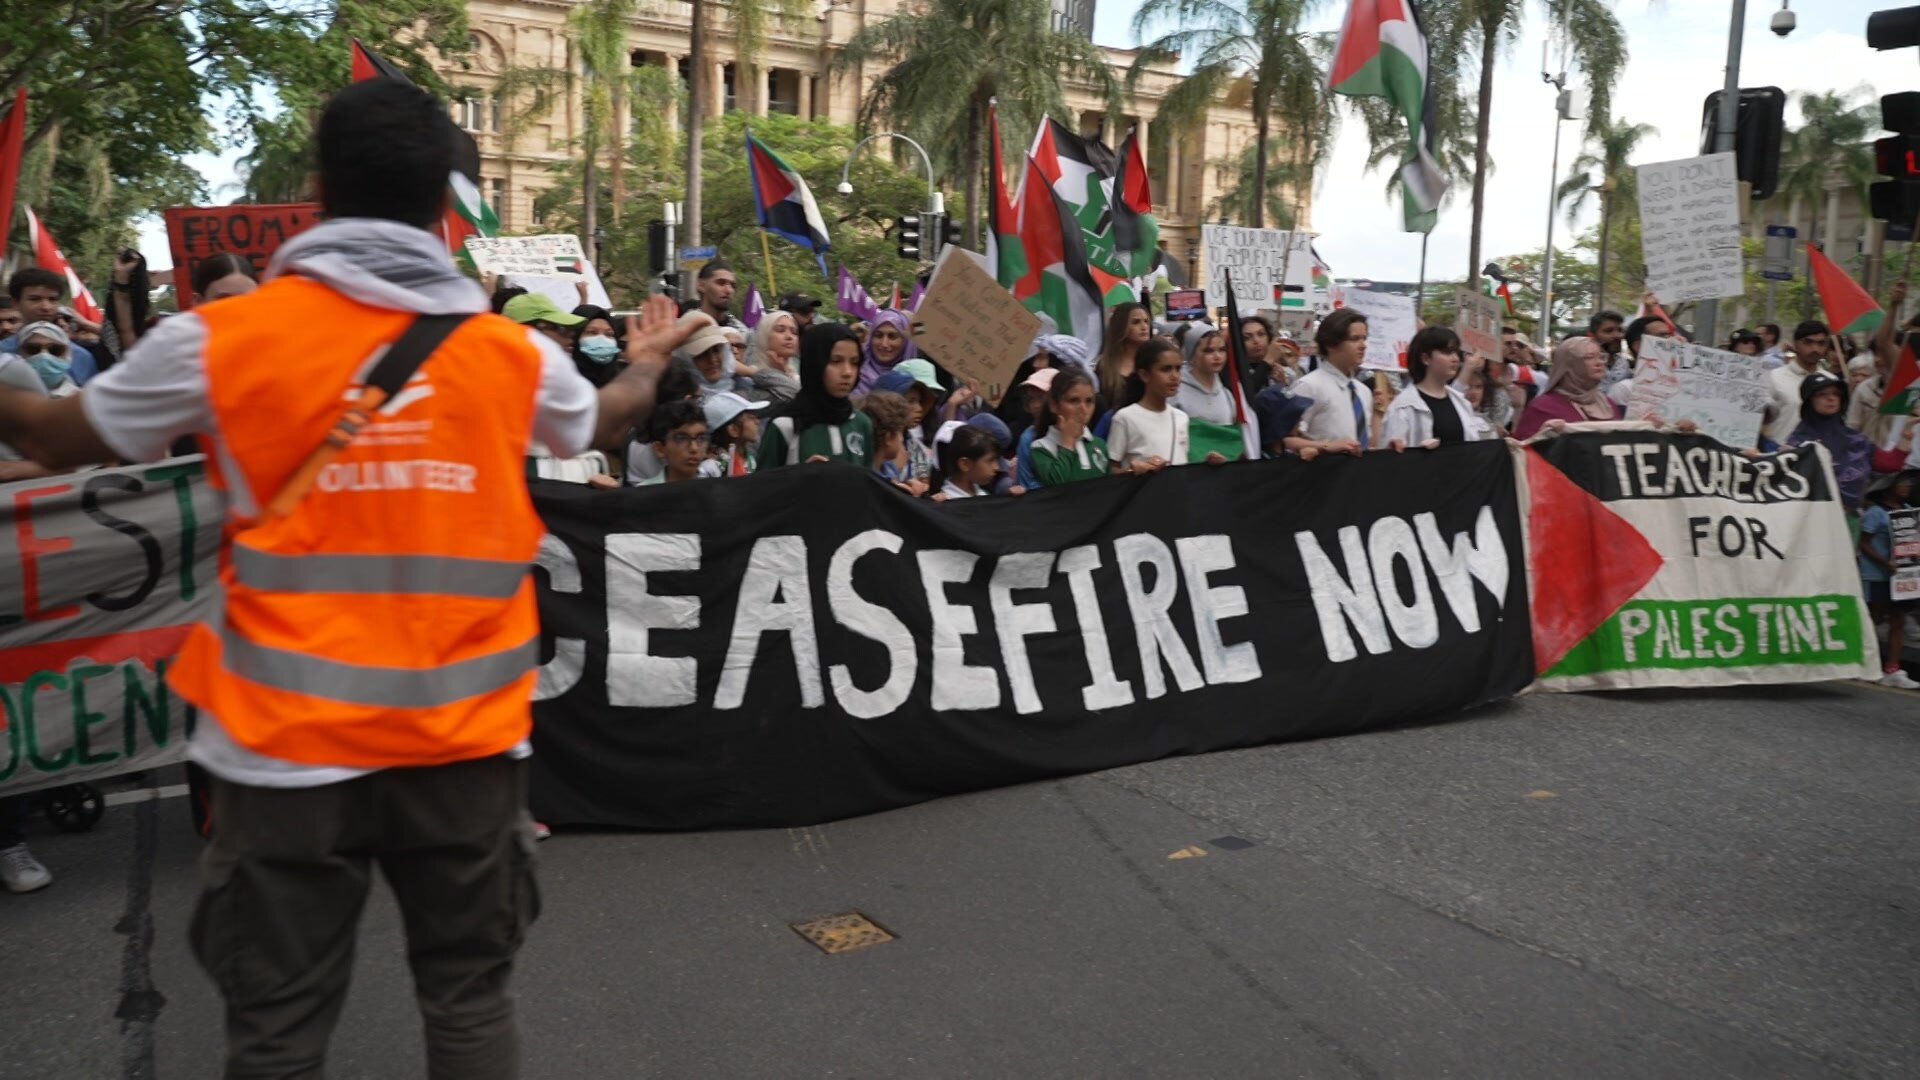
(365, 693)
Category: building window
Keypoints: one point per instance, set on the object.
(498, 198)
(476, 112)
(783, 87)
(731, 84)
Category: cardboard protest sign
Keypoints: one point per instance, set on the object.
(1723, 393)
(1258, 259)
(105, 572)
(554, 255)
(1390, 327)
(971, 325)
(1708, 568)
(197, 233)
(1690, 228)
(1906, 555)
(564, 289)
(1479, 321)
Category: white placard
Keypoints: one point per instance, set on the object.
(1257, 257)
(557, 254)
(1724, 393)
(1690, 228)
(564, 289)
(1390, 326)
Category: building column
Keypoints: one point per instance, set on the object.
(673, 74)
(762, 88)
(717, 107)
(1175, 163)
(804, 87)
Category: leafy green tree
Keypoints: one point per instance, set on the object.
(122, 91)
(1609, 156)
(1597, 47)
(951, 58)
(1249, 52)
(1831, 142)
(749, 19)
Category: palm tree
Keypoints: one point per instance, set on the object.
(1609, 155)
(1250, 52)
(1831, 141)
(1597, 47)
(749, 19)
(952, 57)
(1281, 206)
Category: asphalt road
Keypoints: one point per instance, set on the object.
(1641, 885)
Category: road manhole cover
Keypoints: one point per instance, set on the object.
(842, 933)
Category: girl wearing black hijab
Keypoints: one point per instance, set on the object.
(596, 351)
(820, 423)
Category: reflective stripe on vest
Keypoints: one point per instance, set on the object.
(489, 579)
(363, 684)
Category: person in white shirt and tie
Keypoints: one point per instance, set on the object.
(1340, 419)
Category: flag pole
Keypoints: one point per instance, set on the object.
(1420, 291)
(766, 253)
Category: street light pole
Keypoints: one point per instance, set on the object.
(1705, 328)
(1562, 112)
(936, 202)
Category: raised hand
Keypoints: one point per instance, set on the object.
(657, 330)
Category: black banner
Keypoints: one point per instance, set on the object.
(810, 644)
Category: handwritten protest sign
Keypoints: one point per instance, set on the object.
(1906, 555)
(1724, 393)
(554, 255)
(1258, 259)
(976, 328)
(1690, 228)
(198, 233)
(1478, 323)
(1390, 326)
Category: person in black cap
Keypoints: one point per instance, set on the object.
(802, 306)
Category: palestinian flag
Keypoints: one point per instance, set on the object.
(1004, 252)
(46, 254)
(468, 213)
(1850, 310)
(1241, 384)
(1136, 232)
(1501, 290)
(1898, 398)
(1057, 283)
(782, 202)
(13, 138)
(1083, 172)
(1383, 53)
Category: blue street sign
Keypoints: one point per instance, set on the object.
(1777, 263)
(688, 254)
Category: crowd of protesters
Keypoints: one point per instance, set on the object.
(797, 389)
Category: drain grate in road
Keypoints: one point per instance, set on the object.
(842, 933)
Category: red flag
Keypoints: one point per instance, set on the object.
(1849, 309)
(13, 142)
(47, 254)
(1505, 292)
(1897, 399)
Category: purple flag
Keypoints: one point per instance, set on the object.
(919, 290)
(853, 298)
(754, 309)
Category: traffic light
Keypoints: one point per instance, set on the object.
(1895, 28)
(910, 237)
(657, 247)
(1897, 200)
(1759, 130)
(949, 230)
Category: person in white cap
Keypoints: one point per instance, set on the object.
(733, 435)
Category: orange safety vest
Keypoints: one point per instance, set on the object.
(389, 619)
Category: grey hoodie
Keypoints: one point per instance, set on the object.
(1215, 405)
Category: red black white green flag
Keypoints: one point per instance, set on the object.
(782, 203)
(1383, 53)
(468, 213)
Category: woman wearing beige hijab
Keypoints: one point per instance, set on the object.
(1573, 394)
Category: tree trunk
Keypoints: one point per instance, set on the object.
(1606, 221)
(1262, 124)
(696, 125)
(976, 125)
(1482, 131)
(617, 145)
(590, 178)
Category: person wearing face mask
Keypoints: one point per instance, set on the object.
(596, 352)
(49, 351)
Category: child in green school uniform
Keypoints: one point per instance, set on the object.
(820, 423)
(1065, 451)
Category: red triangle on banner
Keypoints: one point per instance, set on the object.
(1594, 561)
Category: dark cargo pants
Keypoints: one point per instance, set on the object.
(286, 876)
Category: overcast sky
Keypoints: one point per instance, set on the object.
(1678, 52)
